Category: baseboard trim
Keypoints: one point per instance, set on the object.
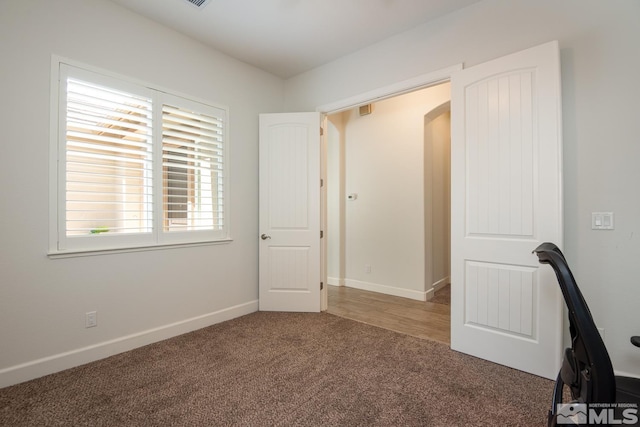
(430, 294)
(436, 287)
(389, 290)
(626, 374)
(441, 283)
(59, 362)
(335, 281)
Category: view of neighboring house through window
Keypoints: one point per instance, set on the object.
(192, 157)
(136, 166)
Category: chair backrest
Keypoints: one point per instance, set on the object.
(587, 368)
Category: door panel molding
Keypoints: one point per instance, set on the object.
(506, 199)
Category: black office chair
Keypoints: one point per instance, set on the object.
(586, 368)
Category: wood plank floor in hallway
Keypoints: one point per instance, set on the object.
(417, 318)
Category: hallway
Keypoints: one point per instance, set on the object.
(429, 319)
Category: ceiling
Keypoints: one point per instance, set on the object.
(288, 37)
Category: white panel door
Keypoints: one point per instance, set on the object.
(506, 195)
(289, 212)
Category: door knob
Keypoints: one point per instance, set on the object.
(265, 237)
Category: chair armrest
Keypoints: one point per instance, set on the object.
(635, 341)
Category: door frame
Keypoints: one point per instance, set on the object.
(416, 83)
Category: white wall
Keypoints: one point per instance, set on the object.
(437, 199)
(43, 301)
(600, 63)
(335, 200)
(384, 166)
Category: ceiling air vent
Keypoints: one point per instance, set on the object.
(199, 3)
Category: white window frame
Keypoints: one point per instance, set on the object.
(60, 245)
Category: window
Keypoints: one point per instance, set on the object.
(136, 166)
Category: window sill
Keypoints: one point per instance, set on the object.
(93, 252)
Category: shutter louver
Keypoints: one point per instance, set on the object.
(108, 160)
(193, 168)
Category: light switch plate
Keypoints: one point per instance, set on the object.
(602, 220)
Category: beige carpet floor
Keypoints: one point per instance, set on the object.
(283, 369)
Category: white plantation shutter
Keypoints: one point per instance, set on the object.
(108, 160)
(193, 167)
(136, 167)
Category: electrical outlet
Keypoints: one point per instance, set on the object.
(367, 268)
(91, 319)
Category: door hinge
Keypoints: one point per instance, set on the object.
(321, 182)
(321, 285)
(321, 234)
(321, 131)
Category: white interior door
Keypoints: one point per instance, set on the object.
(289, 254)
(506, 170)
